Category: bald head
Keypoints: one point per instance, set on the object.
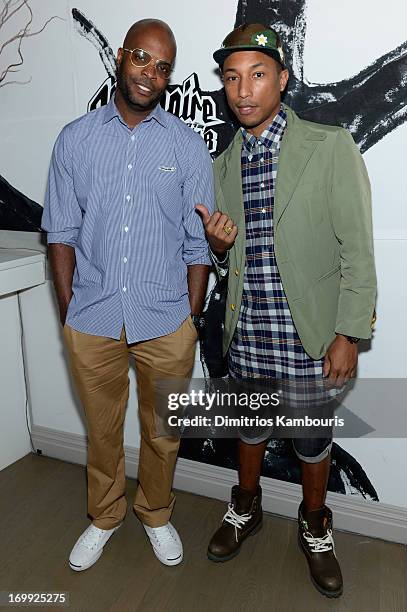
(144, 65)
(152, 27)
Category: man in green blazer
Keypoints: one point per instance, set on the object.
(293, 232)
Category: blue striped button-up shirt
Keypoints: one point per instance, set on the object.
(125, 200)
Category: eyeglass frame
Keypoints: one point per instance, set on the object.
(151, 60)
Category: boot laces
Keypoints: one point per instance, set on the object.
(237, 520)
(318, 545)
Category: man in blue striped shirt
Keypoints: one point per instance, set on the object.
(130, 263)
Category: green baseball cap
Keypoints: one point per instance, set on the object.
(251, 37)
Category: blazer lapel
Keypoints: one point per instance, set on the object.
(231, 178)
(297, 147)
(231, 186)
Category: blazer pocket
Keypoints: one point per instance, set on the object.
(310, 188)
(329, 273)
(316, 202)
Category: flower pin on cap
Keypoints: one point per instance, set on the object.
(251, 37)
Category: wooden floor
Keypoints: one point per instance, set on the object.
(42, 512)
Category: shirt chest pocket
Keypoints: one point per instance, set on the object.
(167, 184)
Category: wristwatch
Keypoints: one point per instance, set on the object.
(198, 320)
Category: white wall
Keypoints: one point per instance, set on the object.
(66, 71)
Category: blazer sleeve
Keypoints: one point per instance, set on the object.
(351, 215)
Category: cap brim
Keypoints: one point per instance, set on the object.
(221, 54)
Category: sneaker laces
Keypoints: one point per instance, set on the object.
(162, 535)
(91, 537)
(318, 545)
(237, 520)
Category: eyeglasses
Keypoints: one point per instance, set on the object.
(141, 58)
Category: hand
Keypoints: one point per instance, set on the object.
(340, 361)
(219, 240)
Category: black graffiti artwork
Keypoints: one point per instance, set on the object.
(370, 104)
(17, 211)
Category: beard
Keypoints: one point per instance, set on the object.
(124, 84)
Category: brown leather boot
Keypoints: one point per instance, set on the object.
(244, 517)
(316, 542)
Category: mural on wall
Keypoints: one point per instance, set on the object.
(370, 104)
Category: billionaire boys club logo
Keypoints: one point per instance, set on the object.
(186, 101)
(196, 109)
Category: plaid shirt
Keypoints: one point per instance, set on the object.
(265, 343)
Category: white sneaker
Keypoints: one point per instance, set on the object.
(89, 547)
(166, 543)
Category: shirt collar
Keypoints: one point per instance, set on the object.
(271, 136)
(158, 114)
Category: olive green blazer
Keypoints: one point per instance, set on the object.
(322, 233)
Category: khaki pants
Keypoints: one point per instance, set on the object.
(99, 368)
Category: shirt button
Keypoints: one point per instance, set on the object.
(262, 185)
(126, 229)
(132, 138)
(236, 272)
(232, 307)
(262, 159)
(124, 289)
(128, 198)
(125, 259)
(263, 210)
(250, 157)
(130, 166)
(259, 142)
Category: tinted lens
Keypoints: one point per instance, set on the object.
(164, 69)
(139, 57)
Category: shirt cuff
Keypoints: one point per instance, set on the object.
(203, 260)
(68, 237)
